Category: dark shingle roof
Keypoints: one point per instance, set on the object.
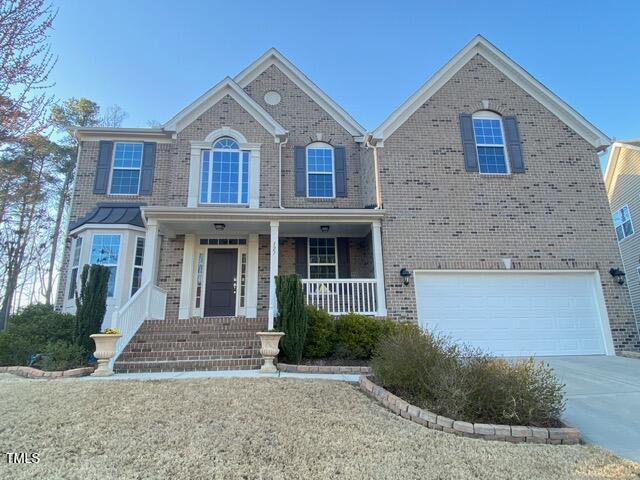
(112, 214)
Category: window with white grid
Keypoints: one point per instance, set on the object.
(125, 174)
(224, 173)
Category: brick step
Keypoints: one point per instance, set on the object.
(199, 329)
(256, 323)
(207, 345)
(214, 350)
(176, 356)
(194, 337)
(188, 365)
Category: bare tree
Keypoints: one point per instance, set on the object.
(113, 116)
(25, 65)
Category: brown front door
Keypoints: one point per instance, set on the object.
(220, 295)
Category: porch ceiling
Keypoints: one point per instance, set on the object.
(241, 221)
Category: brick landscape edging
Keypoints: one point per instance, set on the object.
(504, 433)
(286, 367)
(30, 372)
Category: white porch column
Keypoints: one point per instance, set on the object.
(151, 247)
(252, 276)
(186, 280)
(378, 268)
(273, 271)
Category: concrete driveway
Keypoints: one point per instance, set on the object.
(603, 400)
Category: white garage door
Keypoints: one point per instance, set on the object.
(515, 313)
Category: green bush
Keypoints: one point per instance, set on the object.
(292, 316)
(456, 381)
(356, 336)
(29, 331)
(320, 334)
(91, 304)
(61, 355)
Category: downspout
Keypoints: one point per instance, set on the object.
(374, 147)
(280, 144)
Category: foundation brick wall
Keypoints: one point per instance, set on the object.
(438, 216)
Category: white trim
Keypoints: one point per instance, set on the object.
(187, 278)
(251, 300)
(513, 71)
(118, 281)
(597, 284)
(321, 146)
(488, 115)
(113, 169)
(71, 266)
(335, 249)
(274, 247)
(213, 96)
(633, 230)
(225, 132)
(612, 163)
(273, 57)
(105, 226)
(95, 134)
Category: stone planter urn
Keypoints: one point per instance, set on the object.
(269, 349)
(105, 350)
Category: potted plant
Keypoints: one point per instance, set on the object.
(105, 349)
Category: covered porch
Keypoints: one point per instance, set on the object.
(231, 256)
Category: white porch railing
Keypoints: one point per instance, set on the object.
(342, 295)
(148, 302)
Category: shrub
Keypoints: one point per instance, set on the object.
(462, 383)
(356, 336)
(91, 304)
(320, 332)
(29, 331)
(61, 355)
(292, 316)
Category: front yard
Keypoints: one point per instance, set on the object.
(253, 428)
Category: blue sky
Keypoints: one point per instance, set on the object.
(154, 57)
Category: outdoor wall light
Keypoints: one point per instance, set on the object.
(618, 275)
(324, 228)
(405, 274)
(219, 226)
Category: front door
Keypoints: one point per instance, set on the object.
(220, 295)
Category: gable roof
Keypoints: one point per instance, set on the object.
(480, 45)
(274, 57)
(213, 96)
(612, 163)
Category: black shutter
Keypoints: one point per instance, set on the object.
(514, 145)
(341, 171)
(300, 159)
(344, 259)
(103, 167)
(301, 257)
(148, 168)
(468, 143)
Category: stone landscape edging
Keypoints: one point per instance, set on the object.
(30, 372)
(505, 433)
(341, 369)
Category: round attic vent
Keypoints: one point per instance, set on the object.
(272, 98)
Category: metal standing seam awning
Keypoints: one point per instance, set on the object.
(111, 213)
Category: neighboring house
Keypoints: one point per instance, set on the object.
(482, 189)
(622, 179)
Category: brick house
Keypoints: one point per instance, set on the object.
(476, 209)
(623, 188)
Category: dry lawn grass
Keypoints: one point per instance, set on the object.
(253, 428)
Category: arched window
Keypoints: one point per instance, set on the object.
(224, 173)
(490, 144)
(320, 171)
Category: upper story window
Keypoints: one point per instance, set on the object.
(320, 171)
(622, 223)
(224, 173)
(125, 174)
(105, 250)
(490, 144)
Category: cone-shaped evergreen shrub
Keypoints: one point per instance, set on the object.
(91, 304)
(292, 316)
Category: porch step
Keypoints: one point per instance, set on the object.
(199, 343)
(188, 365)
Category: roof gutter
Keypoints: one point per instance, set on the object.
(372, 143)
